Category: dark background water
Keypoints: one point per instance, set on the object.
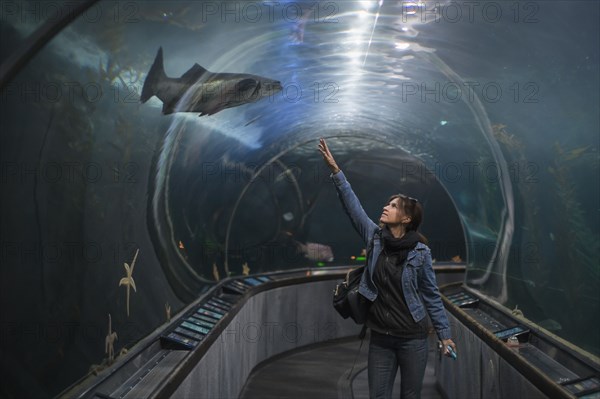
(490, 119)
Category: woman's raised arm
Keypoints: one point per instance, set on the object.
(361, 222)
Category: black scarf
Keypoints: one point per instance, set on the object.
(399, 246)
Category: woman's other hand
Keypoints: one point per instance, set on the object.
(327, 157)
(447, 342)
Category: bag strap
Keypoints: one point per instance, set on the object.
(347, 279)
(362, 334)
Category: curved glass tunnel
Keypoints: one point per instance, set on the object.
(115, 216)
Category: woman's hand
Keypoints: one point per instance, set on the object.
(447, 342)
(327, 157)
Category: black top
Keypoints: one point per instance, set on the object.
(389, 313)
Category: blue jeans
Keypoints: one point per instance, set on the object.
(386, 354)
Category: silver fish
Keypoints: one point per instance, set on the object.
(550, 324)
(316, 252)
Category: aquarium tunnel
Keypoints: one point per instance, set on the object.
(169, 228)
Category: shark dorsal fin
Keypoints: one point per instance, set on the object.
(193, 74)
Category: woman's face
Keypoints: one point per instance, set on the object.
(393, 213)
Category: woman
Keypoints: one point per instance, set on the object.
(400, 283)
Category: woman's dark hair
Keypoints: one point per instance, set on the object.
(413, 209)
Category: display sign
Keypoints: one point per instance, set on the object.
(511, 332)
(463, 299)
(584, 387)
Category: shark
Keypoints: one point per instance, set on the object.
(202, 91)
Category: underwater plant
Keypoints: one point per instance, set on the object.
(128, 280)
(577, 255)
(583, 245)
(168, 310)
(109, 342)
(524, 267)
(215, 271)
(509, 140)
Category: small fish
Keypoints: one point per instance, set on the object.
(288, 216)
(204, 91)
(179, 14)
(297, 30)
(550, 324)
(316, 252)
(245, 269)
(576, 153)
(456, 259)
(530, 283)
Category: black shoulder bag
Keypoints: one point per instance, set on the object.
(348, 301)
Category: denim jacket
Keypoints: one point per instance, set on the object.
(420, 288)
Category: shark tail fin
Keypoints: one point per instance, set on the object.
(155, 75)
